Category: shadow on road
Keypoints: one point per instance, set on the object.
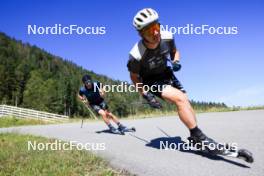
(177, 141)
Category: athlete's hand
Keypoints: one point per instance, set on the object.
(81, 98)
(176, 66)
(151, 100)
(84, 100)
(102, 92)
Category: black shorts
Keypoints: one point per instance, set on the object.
(159, 84)
(98, 107)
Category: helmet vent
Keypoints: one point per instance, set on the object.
(139, 19)
(144, 15)
(148, 11)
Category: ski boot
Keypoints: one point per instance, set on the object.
(124, 129)
(115, 131)
(204, 143)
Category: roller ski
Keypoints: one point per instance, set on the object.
(208, 145)
(123, 129)
(115, 131)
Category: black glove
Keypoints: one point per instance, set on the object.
(152, 100)
(176, 66)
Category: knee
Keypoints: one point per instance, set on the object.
(103, 114)
(181, 100)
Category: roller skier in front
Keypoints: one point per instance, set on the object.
(148, 65)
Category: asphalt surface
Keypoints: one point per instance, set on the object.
(140, 152)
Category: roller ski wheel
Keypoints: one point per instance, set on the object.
(245, 155)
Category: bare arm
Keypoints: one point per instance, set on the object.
(83, 98)
(135, 79)
(175, 55)
(102, 92)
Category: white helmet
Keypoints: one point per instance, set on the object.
(144, 17)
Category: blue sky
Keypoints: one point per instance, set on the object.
(226, 68)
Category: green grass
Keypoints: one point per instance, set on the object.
(253, 108)
(8, 121)
(16, 159)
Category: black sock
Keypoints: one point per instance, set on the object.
(110, 125)
(195, 131)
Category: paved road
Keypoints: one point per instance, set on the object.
(139, 152)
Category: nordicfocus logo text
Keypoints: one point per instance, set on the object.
(59, 29)
(204, 29)
(125, 87)
(185, 146)
(60, 145)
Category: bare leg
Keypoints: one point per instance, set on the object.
(190, 104)
(104, 116)
(113, 117)
(184, 107)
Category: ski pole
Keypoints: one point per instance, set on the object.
(82, 123)
(91, 112)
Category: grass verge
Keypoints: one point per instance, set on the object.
(16, 159)
(8, 121)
